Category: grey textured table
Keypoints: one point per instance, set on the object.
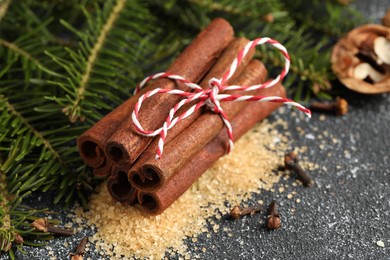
(342, 216)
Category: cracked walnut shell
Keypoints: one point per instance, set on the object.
(361, 59)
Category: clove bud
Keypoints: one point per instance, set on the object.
(80, 250)
(273, 218)
(43, 225)
(238, 212)
(291, 163)
(338, 107)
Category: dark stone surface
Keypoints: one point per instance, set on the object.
(341, 217)
(345, 213)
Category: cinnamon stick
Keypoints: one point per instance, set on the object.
(179, 151)
(125, 145)
(194, 60)
(119, 187)
(156, 202)
(103, 170)
(216, 71)
(91, 143)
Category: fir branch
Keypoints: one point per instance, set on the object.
(19, 151)
(36, 139)
(15, 222)
(7, 234)
(5, 219)
(46, 143)
(324, 17)
(4, 8)
(6, 228)
(35, 159)
(259, 10)
(24, 53)
(6, 239)
(93, 56)
(110, 57)
(18, 50)
(226, 8)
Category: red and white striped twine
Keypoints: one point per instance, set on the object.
(211, 96)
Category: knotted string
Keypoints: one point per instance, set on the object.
(211, 96)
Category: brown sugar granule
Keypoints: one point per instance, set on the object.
(126, 231)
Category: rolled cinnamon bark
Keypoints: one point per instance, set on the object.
(156, 202)
(119, 187)
(125, 145)
(92, 142)
(217, 71)
(103, 170)
(195, 60)
(179, 151)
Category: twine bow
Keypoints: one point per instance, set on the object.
(211, 96)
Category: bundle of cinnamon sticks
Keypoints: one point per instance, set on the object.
(115, 149)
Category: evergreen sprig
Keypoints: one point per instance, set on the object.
(110, 48)
(325, 17)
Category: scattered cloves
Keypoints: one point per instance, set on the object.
(339, 106)
(273, 217)
(291, 163)
(80, 250)
(238, 212)
(43, 225)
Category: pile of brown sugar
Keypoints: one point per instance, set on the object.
(124, 231)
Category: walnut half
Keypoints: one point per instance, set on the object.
(361, 59)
